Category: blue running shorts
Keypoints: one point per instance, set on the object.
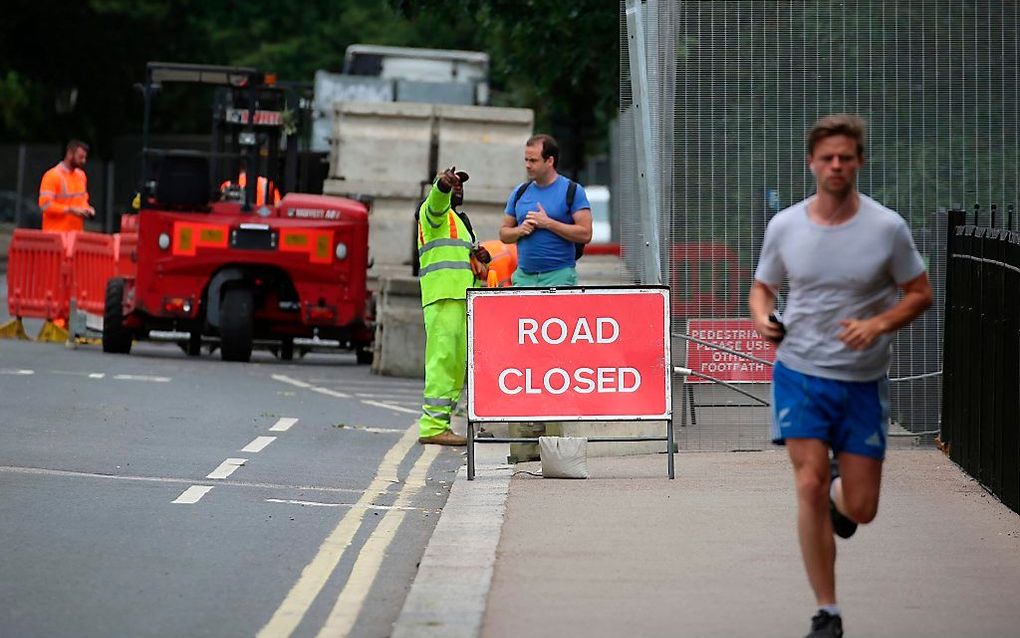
(851, 416)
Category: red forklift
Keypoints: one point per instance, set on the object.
(225, 253)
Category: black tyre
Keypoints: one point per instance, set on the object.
(116, 336)
(287, 349)
(237, 324)
(194, 346)
(364, 355)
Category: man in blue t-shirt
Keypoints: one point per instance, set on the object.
(539, 221)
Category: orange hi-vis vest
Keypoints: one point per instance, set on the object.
(60, 189)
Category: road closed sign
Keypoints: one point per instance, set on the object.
(596, 354)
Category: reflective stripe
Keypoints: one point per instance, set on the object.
(48, 204)
(434, 213)
(437, 401)
(442, 416)
(438, 243)
(435, 225)
(444, 265)
(453, 226)
(68, 195)
(41, 193)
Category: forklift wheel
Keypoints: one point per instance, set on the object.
(364, 356)
(237, 324)
(116, 337)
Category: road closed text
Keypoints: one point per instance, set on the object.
(582, 380)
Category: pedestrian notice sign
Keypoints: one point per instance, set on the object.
(568, 354)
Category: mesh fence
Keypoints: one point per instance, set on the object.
(733, 87)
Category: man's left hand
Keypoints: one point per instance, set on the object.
(859, 334)
(539, 217)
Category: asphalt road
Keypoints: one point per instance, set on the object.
(113, 521)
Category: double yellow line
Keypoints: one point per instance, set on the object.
(315, 575)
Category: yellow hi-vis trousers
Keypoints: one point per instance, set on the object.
(445, 362)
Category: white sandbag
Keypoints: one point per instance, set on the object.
(564, 456)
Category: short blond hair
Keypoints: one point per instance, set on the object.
(838, 124)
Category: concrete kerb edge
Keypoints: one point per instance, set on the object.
(450, 590)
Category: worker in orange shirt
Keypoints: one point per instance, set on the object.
(63, 193)
(261, 186)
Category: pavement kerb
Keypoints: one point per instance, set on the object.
(449, 593)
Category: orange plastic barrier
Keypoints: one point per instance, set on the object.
(125, 246)
(37, 275)
(503, 264)
(46, 270)
(92, 263)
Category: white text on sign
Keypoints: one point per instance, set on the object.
(554, 331)
(585, 380)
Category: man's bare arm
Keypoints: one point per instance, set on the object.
(510, 232)
(579, 232)
(761, 301)
(859, 334)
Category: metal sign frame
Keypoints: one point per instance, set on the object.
(667, 415)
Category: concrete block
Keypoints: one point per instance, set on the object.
(400, 330)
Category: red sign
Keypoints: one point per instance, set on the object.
(595, 354)
(735, 334)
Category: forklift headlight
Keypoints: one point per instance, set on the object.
(341, 251)
(164, 241)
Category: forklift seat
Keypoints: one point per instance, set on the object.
(182, 181)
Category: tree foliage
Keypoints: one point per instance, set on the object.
(557, 58)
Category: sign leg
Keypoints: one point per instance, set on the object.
(471, 450)
(669, 449)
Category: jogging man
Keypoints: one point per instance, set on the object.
(845, 257)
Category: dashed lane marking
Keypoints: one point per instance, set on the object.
(18, 372)
(141, 377)
(331, 393)
(283, 424)
(397, 408)
(226, 468)
(352, 597)
(294, 382)
(314, 576)
(193, 494)
(258, 444)
(97, 375)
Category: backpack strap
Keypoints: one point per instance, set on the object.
(520, 192)
(571, 191)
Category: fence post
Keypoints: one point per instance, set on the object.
(21, 185)
(955, 218)
(108, 219)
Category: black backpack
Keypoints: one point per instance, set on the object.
(571, 191)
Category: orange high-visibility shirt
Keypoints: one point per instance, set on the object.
(61, 188)
(260, 188)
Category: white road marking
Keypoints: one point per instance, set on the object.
(388, 395)
(97, 375)
(352, 597)
(351, 505)
(314, 576)
(294, 382)
(365, 428)
(226, 468)
(258, 444)
(179, 481)
(193, 494)
(328, 392)
(391, 407)
(283, 424)
(18, 372)
(141, 377)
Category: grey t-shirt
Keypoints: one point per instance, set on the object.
(849, 271)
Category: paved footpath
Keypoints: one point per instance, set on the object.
(712, 553)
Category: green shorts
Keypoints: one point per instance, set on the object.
(562, 277)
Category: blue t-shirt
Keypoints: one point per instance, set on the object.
(544, 250)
